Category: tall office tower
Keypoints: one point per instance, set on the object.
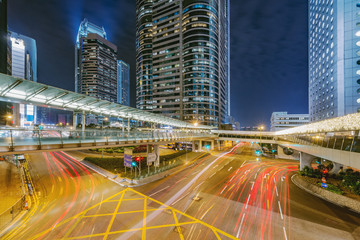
(183, 59)
(123, 84)
(3, 37)
(85, 28)
(98, 67)
(23, 65)
(334, 58)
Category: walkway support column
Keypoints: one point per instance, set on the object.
(336, 168)
(128, 128)
(305, 160)
(212, 145)
(74, 120)
(193, 146)
(83, 122)
(200, 145)
(123, 125)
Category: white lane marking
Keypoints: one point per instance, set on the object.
(285, 233)
(206, 212)
(255, 175)
(223, 189)
(212, 175)
(229, 169)
(283, 178)
(232, 178)
(180, 198)
(274, 180)
(282, 217)
(277, 194)
(237, 235)
(237, 171)
(247, 202)
(180, 180)
(243, 164)
(252, 186)
(159, 191)
(258, 170)
(199, 185)
(215, 166)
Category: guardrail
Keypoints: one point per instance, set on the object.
(22, 140)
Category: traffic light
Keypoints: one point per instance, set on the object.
(258, 152)
(137, 159)
(273, 150)
(133, 164)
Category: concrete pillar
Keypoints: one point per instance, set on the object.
(212, 145)
(83, 122)
(336, 168)
(74, 120)
(219, 144)
(193, 146)
(305, 160)
(123, 125)
(200, 145)
(128, 127)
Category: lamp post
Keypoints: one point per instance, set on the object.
(261, 128)
(8, 118)
(102, 122)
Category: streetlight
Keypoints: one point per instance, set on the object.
(261, 128)
(8, 118)
(196, 124)
(102, 123)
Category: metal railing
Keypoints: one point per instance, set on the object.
(14, 139)
(349, 143)
(10, 214)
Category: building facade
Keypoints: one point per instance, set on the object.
(123, 84)
(24, 66)
(3, 37)
(183, 59)
(98, 68)
(85, 28)
(334, 58)
(284, 120)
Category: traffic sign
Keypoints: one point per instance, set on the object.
(324, 185)
(128, 157)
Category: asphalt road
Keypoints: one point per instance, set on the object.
(228, 192)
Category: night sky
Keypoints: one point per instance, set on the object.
(268, 48)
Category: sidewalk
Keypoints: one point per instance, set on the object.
(10, 185)
(320, 192)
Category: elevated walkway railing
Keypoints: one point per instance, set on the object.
(347, 143)
(21, 140)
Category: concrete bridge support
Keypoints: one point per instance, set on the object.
(74, 120)
(336, 168)
(305, 160)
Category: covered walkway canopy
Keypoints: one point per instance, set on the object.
(14, 89)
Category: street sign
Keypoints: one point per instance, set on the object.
(324, 185)
(128, 152)
(151, 157)
(323, 180)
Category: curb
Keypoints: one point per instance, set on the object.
(319, 195)
(120, 181)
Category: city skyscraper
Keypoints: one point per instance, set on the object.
(24, 66)
(183, 59)
(334, 58)
(96, 63)
(123, 84)
(3, 37)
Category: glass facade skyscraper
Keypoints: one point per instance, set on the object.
(334, 58)
(183, 59)
(96, 63)
(3, 37)
(123, 84)
(85, 28)
(23, 65)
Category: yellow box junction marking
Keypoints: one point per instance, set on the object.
(75, 220)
